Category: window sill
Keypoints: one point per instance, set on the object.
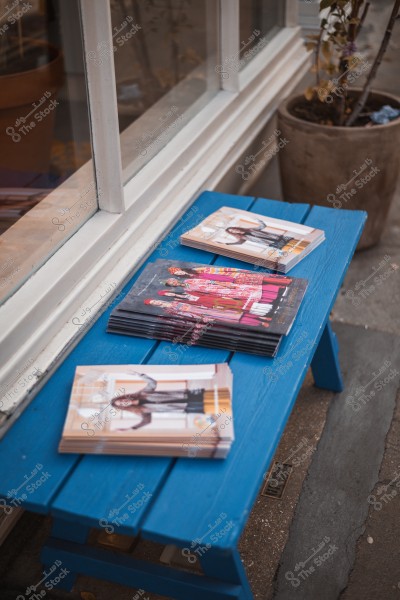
(109, 247)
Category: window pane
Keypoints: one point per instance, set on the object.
(46, 189)
(260, 20)
(165, 53)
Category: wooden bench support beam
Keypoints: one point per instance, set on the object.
(73, 532)
(125, 570)
(325, 363)
(227, 565)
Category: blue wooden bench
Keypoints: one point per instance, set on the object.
(179, 501)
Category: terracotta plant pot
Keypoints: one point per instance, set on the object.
(26, 132)
(342, 167)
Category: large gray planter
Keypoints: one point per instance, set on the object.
(342, 167)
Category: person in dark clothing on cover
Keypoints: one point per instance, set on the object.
(257, 235)
(149, 400)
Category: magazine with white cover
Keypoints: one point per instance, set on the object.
(171, 410)
(265, 241)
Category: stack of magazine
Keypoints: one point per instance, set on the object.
(212, 306)
(264, 241)
(151, 410)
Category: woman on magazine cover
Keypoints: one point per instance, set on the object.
(149, 400)
(257, 235)
(205, 300)
(181, 309)
(246, 292)
(230, 274)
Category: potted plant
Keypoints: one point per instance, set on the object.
(31, 73)
(343, 139)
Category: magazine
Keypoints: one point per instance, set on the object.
(208, 305)
(265, 241)
(157, 410)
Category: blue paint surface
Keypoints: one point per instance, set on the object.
(183, 498)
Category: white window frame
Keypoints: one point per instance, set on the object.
(39, 320)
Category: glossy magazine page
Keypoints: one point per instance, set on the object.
(274, 243)
(150, 409)
(237, 299)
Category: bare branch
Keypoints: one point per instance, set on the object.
(363, 17)
(371, 75)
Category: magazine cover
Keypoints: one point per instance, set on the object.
(255, 236)
(235, 298)
(150, 409)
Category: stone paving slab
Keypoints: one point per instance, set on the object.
(370, 295)
(376, 572)
(333, 505)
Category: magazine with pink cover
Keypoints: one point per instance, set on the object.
(267, 241)
(171, 410)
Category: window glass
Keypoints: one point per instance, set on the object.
(165, 53)
(260, 20)
(46, 189)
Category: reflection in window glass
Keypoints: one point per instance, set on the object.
(260, 20)
(165, 54)
(46, 192)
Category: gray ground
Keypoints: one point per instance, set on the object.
(344, 483)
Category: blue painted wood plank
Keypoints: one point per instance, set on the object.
(33, 440)
(281, 210)
(264, 393)
(72, 532)
(106, 482)
(325, 363)
(135, 573)
(227, 566)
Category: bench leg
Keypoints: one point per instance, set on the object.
(227, 566)
(67, 531)
(325, 363)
